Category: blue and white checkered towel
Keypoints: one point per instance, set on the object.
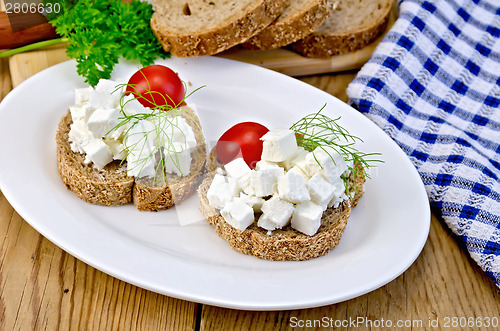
(433, 85)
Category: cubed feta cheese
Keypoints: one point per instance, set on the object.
(320, 190)
(264, 182)
(98, 152)
(103, 121)
(178, 160)
(131, 106)
(326, 162)
(79, 136)
(117, 149)
(82, 95)
(238, 214)
(292, 188)
(277, 211)
(307, 217)
(278, 145)
(105, 95)
(222, 190)
(80, 112)
(339, 194)
(263, 164)
(141, 163)
(237, 168)
(298, 170)
(141, 135)
(296, 158)
(252, 201)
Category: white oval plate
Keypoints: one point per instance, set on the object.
(186, 259)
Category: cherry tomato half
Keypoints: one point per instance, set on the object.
(156, 85)
(241, 140)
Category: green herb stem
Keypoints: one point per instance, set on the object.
(33, 46)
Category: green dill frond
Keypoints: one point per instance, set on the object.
(317, 130)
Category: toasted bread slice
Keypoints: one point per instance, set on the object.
(285, 244)
(205, 27)
(111, 186)
(299, 19)
(351, 26)
(154, 194)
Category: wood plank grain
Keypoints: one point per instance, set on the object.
(442, 283)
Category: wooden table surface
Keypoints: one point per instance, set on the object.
(44, 288)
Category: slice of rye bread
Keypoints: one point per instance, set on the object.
(205, 27)
(351, 26)
(154, 195)
(299, 19)
(285, 244)
(111, 186)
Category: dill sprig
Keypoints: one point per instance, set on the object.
(320, 131)
(156, 143)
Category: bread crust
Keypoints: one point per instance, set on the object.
(112, 187)
(219, 39)
(320, 45)
(155, 198)
(283, 32)
(284, 244)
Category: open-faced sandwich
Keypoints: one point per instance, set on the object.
(137, 142)
(283, 194)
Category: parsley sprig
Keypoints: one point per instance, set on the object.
(320, 131)
(99, 32)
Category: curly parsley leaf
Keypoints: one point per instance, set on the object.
(99, 32)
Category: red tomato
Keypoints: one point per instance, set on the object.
(156, 85)
(241, 140)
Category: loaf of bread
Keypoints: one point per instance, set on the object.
(299, 19)
(111, 186)
(352, 25)
(205, 27)
(284, 244)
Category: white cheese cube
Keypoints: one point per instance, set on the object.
(277, 211)
(265, 182)
(278, 145)
(132, 107)
(245, 183)
(80, 112)
(102, 121)
(82, 95)
(292, 188)
(141, 163)
(117, 149)
(326, 162)
(178, 160)
(295, 159)
(266, 223)
(142, 135)
(174, 130)
(320, 190)
(105, 95)
(238, 214)
(222, 190)
(79, 136)
(339, 194)
(253, 201)
(307, 217)
(298, 170)
(263, 164)
(98, 152)
(237, 168)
